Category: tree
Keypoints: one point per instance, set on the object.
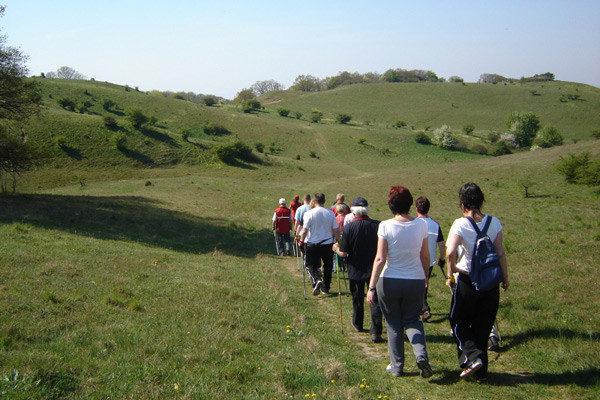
(262, 87)
(18, 101)
(580, 168)
(343, 118)
(137, 118)
(209, 101)
(443, 138)
(307, 83)
(251, 105)
(548, 137)
(244, 95)
(316, 116)
(524, 126)
(65, 72)
(468, 129)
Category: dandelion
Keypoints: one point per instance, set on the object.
(176, 386)
(333, 381)
(362, 385)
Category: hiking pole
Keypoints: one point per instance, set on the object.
(304, 274)
(297, 255)
(340, 296)
(340, 268)
(276, 241)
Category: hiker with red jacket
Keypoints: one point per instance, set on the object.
(282, 225)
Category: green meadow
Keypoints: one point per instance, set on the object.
(149, 272)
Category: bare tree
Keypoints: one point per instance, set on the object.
(68, 73)
(262, 87)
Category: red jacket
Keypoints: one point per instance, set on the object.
(283, 218)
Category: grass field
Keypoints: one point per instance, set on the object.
(148, 283)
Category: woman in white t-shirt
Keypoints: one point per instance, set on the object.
(399, 277)
(472, 313)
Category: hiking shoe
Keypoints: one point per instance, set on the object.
(470, 370)
(377, 339)
(426, 315)
(317, 288)
(325, 292)
(391, 371)
(425, 368)
(494, 346)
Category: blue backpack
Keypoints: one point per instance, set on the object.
(486, 272)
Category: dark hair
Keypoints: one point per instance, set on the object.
(399, 200)
(423, 205)
(470, 196)
(320, 198)
(306, 198)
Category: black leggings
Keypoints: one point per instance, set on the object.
(472, 315)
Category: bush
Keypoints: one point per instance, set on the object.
(108, 104)
(343, 118)
(548, 137)
(283, 112)
(399, 124)
(422, 138)
(501, 148)
(259, 147)
(298, 114)
(209, 101)
(229, 153)
(595, 133)
(119, 140)
(67, 104)
(580, 169)
(251, 105)
(362, 140)
(213, 129)
(110, 122)
(137, 118)
(493, 137)
(316, 116)
(468, 129)
(443, 138)
(480, 149)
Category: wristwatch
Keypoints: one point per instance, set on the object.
(371, 289)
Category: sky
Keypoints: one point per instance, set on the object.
(221, 47)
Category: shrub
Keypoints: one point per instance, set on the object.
(580, 169)
(480, 149)
(501, 148)
(283, 112)
(110, 122)
(443, 138)
(259, 147)
(524, 126)
(422, 138)
(230, 152)
(362, 140)
(595, 133)
(213, 129)
(251, 105)
(119, 140)
(209, 101)
(298, 114)
(67, 104)
(108, 104)
(493, 137)
(548, 137)
(312, 154)
(343, 118)
(510, 139)
(137, 118)
(85, 107)
(468, 129)
(399, 124)
(316, 116)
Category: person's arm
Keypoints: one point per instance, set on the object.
(499, 246)
(303, 235)
(425, 259)
(274, 221)
(378, 264)
(336, 233)
(451, 255)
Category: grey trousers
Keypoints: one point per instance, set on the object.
(401, 301)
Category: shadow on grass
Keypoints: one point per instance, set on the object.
(583, 378)
(134, 219)
(137, 156)
(161, 137)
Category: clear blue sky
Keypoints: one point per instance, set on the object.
(221, 47)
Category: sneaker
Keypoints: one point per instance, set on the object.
(426, 315)
(317, 288)
(391, 371)
(470, 370)
(377, 339)
(425, 368)
(494, 345)
(325, 292)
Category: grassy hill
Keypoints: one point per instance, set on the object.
(157, 279)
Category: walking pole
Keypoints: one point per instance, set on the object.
(304, 275)
(340, 297)
(276, 241)
(297, 253)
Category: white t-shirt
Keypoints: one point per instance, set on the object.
(463, 228)
(404, 240)
(320, 221)
(433, 229)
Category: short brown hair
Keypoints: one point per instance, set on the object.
(400, 200)
(422, 204)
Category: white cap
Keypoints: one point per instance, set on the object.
(282, 201)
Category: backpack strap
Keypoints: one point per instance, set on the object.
(481, 232)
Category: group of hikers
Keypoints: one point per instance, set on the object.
(392, 260)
